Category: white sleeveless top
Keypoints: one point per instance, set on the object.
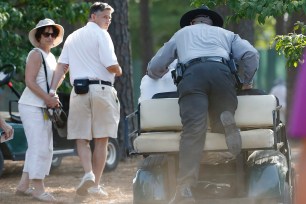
(30, 98)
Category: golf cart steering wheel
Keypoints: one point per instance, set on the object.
(7, 71)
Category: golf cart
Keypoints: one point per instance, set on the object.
(261, 174)
(15, 149)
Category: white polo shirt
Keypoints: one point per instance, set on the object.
(89, 51)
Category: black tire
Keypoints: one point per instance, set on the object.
(56, 162)
(113, 155)
(1, 163)
(293, 184)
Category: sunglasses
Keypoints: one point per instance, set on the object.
(46, 35)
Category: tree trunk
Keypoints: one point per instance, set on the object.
(145, 35)
(120, 36)
(244, 28)
(280, 26)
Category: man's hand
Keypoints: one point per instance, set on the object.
(116, 69)
(66, 68)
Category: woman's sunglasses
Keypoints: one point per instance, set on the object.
(46, 35)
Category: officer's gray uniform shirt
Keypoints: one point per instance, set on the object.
(202, 40)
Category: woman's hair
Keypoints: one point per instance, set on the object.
(40, 31)
(99, 6)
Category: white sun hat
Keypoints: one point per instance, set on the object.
(43, 23)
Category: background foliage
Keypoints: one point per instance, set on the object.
(291, 45)
(251, 9)
(18, 17)
(162, 27)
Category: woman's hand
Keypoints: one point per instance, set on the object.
(52, 101)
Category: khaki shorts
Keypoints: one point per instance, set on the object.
(95, 114)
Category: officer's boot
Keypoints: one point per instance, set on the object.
(232, 133)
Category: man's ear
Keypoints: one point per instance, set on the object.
(93, 16)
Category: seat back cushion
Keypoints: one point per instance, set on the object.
(254, 111)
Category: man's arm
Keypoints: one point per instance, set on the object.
(58, 76)
(116, 69)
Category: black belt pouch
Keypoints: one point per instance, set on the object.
(81, 86)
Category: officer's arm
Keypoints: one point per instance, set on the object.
(244, 52)
(158, 66)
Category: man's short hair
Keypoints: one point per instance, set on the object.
(99, 6)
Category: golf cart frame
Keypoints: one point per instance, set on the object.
(15, 149)
(262, 173)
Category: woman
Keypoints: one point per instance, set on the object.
(34, 99)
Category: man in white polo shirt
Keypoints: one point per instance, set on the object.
(94, 110)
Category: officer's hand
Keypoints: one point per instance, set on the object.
(247, 86)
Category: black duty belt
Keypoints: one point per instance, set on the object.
(100, 82)
(205, 59)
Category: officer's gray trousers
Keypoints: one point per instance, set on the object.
(205, 87)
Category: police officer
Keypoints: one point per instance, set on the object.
(207, 85)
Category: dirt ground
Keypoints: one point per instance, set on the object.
(62, 182)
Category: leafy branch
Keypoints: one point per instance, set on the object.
(252, 9)
(291, 45)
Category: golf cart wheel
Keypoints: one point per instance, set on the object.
(112, 159)
(293, 184)
(1, 163)
(56, 162)
(287, 196)
(150, 184)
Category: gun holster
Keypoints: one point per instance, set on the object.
(177, 73)
(234, 70)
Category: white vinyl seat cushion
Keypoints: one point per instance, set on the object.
(155, 142)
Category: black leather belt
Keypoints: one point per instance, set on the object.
(205, 59)
(100, 82)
